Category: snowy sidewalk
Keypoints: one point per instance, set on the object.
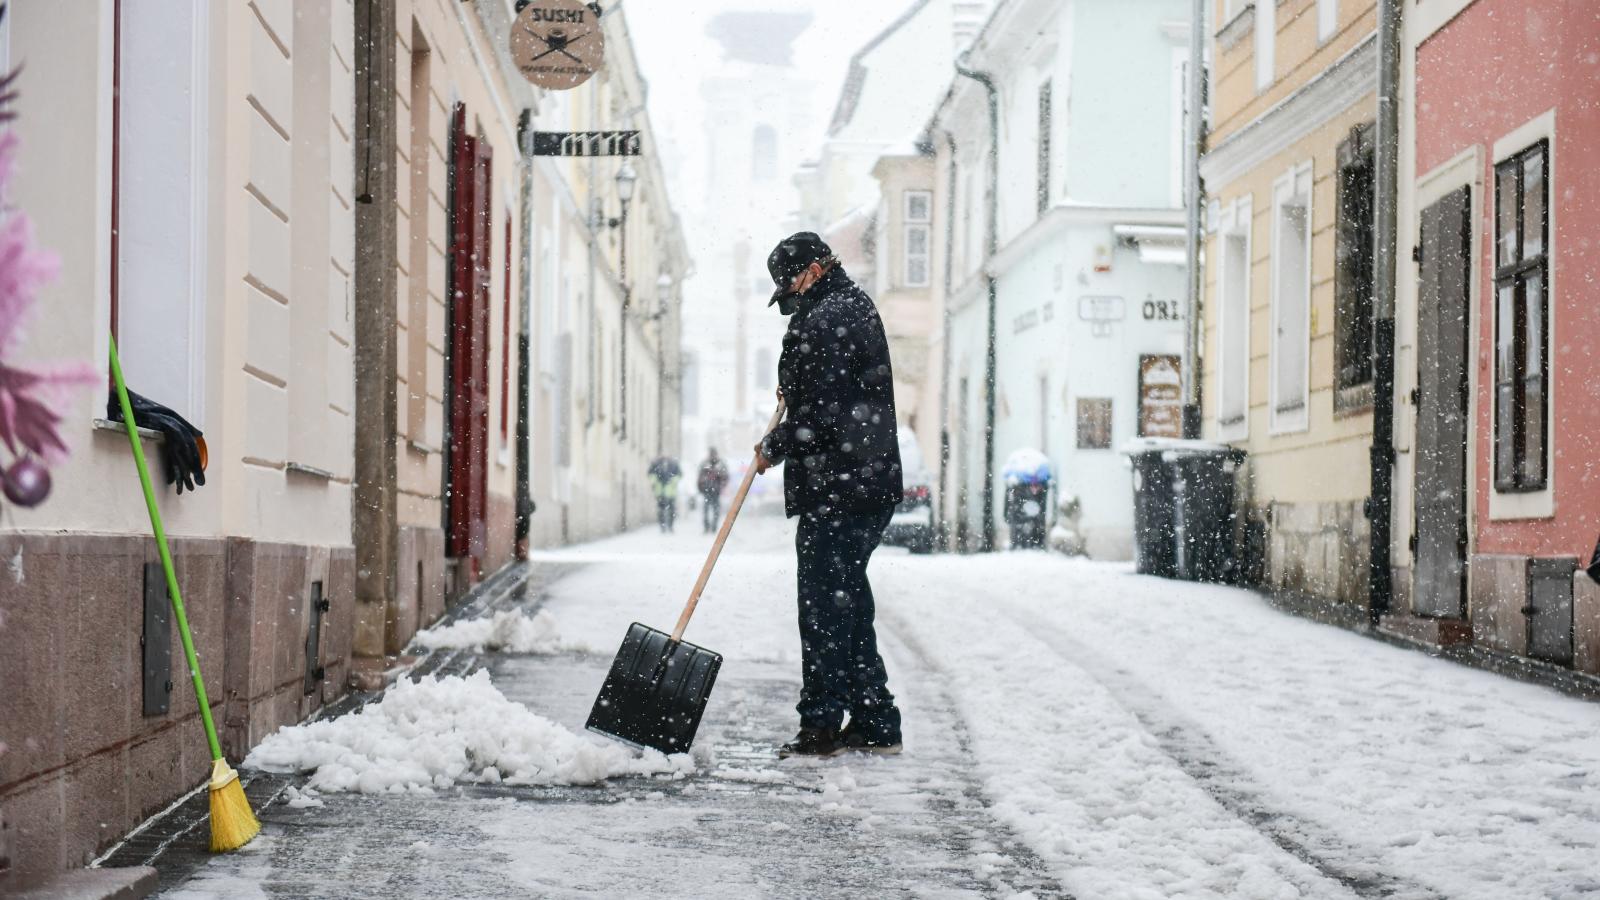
(743, 826)
(1072, 730)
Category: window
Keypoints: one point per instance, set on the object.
(1266, 35)
(160, 233)
(1327, 18)
(1180, 120)
(1045, 117)
(764, 153)
(5, 43)
(1094, 423)
(1522, 352)
(1233, 331)
(1353, 273)
(918, 233)
(1291, 300)
(1044, 414)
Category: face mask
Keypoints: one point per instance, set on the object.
(787, 304)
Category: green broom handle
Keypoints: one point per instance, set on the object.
(166, 554)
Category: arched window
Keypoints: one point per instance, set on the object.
(764, 153)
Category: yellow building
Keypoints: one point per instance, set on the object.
(1286, 312)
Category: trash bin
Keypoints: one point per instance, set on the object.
(1183, 508)
(1203, 513)
(1153, 502)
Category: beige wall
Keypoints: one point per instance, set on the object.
(909, 312)
(1326, 461)
(443, 56)
(276, 328)
(1306, 483)
(1300, 56)
(605, 482)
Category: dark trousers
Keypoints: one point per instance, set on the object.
(712, 515)
(841, 669)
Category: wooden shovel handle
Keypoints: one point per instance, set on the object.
(722, 535)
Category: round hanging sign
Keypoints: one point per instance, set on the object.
(557, 44)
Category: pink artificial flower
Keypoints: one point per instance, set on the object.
(30, 398)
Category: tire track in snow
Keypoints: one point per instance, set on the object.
(1187, 744)
(1025, 871)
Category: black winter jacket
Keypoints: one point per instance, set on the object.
(839, 441)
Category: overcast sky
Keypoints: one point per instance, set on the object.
(675, 53)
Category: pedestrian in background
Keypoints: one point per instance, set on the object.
(711, 482)
(664, 474)
(842, 480)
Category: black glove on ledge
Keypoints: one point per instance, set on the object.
(180, 451)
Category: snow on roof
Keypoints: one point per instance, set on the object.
(894, 85)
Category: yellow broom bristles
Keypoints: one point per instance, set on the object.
(232, 822)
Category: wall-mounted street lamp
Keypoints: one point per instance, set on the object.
(626, 181)
(664, 303)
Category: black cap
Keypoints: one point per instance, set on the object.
(792, 256)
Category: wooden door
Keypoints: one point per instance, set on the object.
(466, 490)
(1442, 336)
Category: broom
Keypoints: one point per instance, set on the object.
(232, 822)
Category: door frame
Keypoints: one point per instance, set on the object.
(1465, 169)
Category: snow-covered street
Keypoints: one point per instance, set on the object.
(1071, 730)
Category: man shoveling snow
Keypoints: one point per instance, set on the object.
(843, 482)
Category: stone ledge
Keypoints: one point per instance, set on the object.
(1422, 630)
(89, 884)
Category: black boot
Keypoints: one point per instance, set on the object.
(864, 742)
(820, 743)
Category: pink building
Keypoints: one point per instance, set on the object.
(1503, 207)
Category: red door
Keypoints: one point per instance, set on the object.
(467, 482)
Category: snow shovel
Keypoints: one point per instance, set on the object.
(659, 683)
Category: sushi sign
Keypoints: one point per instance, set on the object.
(558, 44)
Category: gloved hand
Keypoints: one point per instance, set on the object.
(182, 451)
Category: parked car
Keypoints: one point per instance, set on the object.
(913, 526)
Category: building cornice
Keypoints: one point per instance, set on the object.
(1063, 218)
(1319, 100)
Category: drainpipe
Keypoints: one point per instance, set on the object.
(1386, 238)
(944, 348)
(1194, 145)
(991, 245)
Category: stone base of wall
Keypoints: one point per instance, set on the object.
(82, 764)
(1585, 623)
(1319, 550)
(502, 533)
(1497, 590)
(421, 586)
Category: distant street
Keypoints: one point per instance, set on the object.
(1207, 746)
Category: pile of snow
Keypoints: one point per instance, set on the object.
(511, 631)
(437, 732)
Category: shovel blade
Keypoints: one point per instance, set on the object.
(655, 692)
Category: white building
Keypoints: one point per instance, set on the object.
(1088, 271)
(869, 191)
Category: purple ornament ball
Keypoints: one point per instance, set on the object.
(27, 482)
